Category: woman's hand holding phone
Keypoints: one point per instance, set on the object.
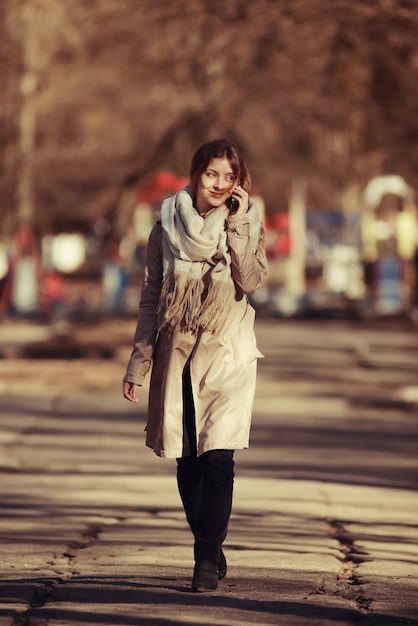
(238, 201)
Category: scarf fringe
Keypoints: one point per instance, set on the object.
(181, 308)
(217, 306)
(179, 303)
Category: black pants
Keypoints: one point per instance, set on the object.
(205, 485)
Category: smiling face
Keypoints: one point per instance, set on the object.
(214, 185)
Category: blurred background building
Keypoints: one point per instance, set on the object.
(104, 103)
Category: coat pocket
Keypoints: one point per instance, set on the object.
(240, 338)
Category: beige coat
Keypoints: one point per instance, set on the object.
(222, 364)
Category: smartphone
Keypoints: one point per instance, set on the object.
(232, 204)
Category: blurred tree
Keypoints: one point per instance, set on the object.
(325, 89)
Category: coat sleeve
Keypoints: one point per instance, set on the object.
(249, 268)
(146, 328)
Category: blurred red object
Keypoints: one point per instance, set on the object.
(159, 186)
(278, 235)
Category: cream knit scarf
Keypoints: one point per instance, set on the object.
(189, 241)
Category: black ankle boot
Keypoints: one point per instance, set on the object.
(222, 566)
(205, 576)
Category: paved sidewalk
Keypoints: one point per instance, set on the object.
(324, 524)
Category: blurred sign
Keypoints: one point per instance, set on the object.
(389, 285)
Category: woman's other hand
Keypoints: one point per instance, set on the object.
(129, 392)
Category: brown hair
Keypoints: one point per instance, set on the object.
(223, 149)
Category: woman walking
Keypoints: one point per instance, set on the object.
(196, 327)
